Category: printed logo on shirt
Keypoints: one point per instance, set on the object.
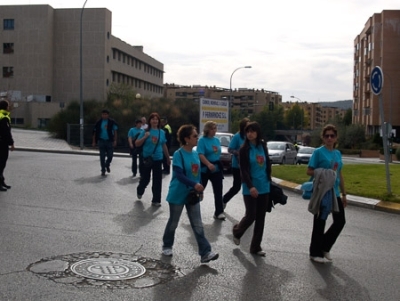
(260, 160)
(215, 149)
(195, 169)
(154, 139)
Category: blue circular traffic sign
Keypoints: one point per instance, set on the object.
(376, 80)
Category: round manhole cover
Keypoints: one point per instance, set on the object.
(108, 269)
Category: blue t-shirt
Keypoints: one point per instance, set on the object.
(258, 170)
(103, 132)
(324, 158)
(235, 144)
(210, 147)
(150, 143)
(134, 131)
(177, 190)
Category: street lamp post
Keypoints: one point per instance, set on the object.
(231, 95)
(80, 83)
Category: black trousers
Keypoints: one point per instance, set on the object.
(216, 181)
(154, 172)
(237, 184)
(4, 150)
(322, 242)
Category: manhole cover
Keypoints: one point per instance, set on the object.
(108, 269)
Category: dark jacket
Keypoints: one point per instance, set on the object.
(5, 129)
(245, 166)
(97, 129)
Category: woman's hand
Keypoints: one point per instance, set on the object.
(344, 201)
(254, 192)
(198, 187)
(211, 167)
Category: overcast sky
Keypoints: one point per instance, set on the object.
(301, 48)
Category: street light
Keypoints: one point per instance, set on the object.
(230, 96)
(80, 83)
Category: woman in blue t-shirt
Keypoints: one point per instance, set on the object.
(327, 157)
(209, 149)
(154, 146)
(186, 177)
(255, 169)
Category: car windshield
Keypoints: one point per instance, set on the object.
(276, 146)
(306, 150)
(224, 139)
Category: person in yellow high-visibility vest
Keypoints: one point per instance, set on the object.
(6, 140)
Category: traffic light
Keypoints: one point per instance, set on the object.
(271, 106)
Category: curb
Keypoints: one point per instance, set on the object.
(352, 200)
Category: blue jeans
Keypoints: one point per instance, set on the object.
(194, 215)
(157, 180)
(105, 148)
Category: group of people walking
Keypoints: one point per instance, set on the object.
(197, 162)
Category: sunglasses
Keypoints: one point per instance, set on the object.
(330, 136)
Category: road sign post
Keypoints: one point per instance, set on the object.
(376, 82)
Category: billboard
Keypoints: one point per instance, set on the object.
(216, 110)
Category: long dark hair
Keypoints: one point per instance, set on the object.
(242, 126)
(255, 127)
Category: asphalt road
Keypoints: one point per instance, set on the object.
(59, 205)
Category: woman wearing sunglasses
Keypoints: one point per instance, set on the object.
(325, 166)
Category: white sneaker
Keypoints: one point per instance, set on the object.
(261, 253)
(327, 255)
(209, 256)
(156, 204)
(318, 259)
(167, 252)
(220, 216)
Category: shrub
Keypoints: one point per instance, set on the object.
(398, 153)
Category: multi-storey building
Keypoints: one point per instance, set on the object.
(378, 44)
(42, 53)
(315, 114)
(249, 100)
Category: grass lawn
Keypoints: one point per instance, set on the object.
(366, 180)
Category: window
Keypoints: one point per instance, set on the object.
(8, 47)
(8, 71)
(8, 24)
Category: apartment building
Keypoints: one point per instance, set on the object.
(41, 56)
(315, 114)
(378, 44)
(249, 100)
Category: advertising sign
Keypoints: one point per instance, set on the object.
(216, 110)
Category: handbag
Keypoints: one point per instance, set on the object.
(148, 161)
(307, 188)
(276, 194)
(193, 196)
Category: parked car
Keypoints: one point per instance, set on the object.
(304, 154)
(226, 157)
(281, 152)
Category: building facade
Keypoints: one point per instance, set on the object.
(249, 100)
(378, 44)
(41, 59)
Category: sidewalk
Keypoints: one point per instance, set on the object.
(39, 141)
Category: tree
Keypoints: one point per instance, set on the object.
(347, 118)
(269, 120)
(294, 117)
